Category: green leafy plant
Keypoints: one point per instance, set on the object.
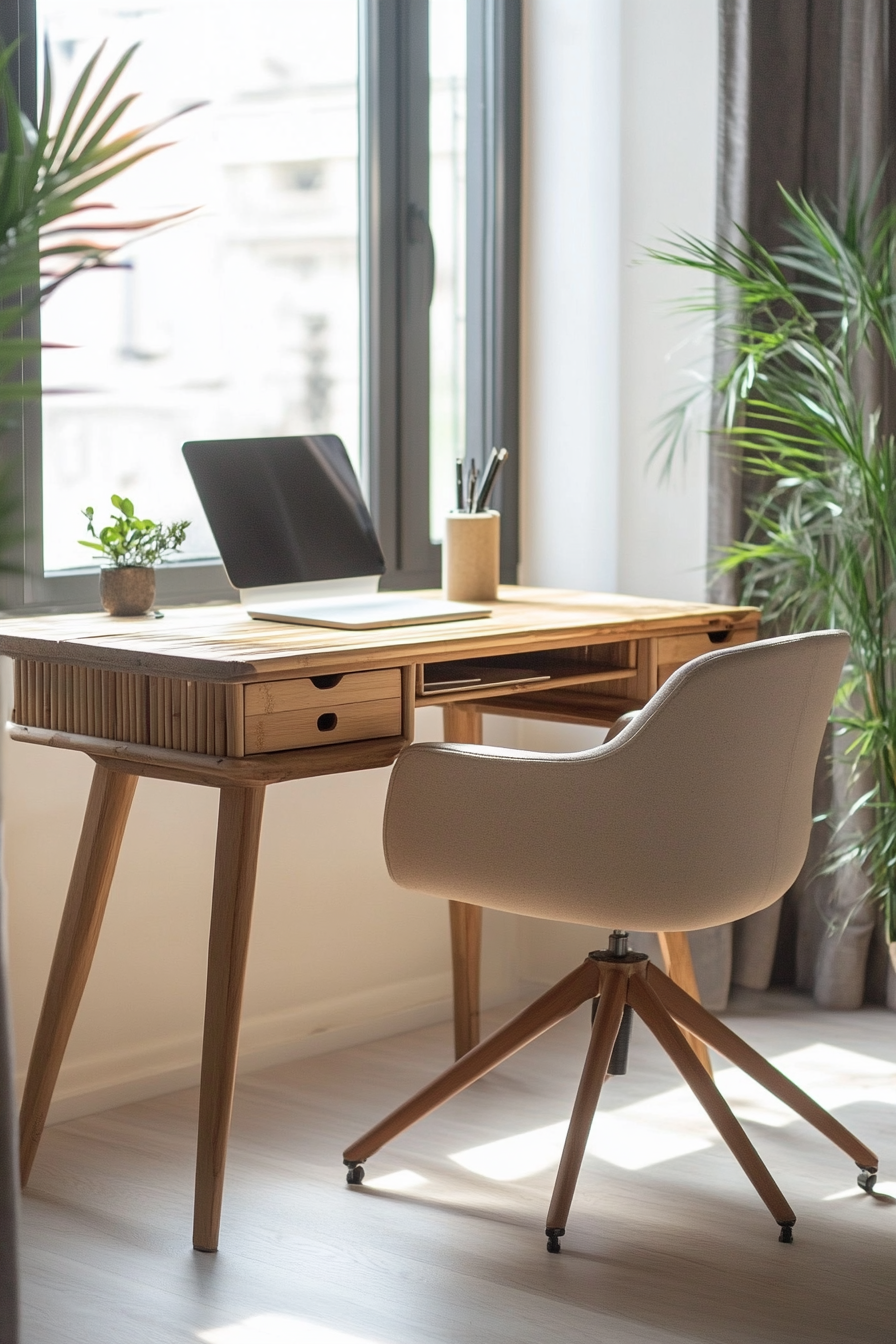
(811, 334)
(48, 179)
(129, 541)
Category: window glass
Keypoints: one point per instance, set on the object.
(447, 217)
(242, 319)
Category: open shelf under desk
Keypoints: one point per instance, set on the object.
(559, 704)
(561, 675)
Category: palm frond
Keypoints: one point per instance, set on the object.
(820, 543)
(48, 177)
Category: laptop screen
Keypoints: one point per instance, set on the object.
(284, 510)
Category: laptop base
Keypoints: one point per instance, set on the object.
(374, 611)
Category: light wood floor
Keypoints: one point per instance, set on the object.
(680, 1251)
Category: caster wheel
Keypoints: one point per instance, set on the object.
(355, 1174)
(867, 1181)
(553, 1235)
(786, 1232)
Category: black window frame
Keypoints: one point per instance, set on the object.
(396, 278)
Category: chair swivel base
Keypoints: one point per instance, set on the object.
(620, 980)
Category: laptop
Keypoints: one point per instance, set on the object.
(296, 537)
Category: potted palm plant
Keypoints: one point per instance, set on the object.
(811, 336)
(49, 174)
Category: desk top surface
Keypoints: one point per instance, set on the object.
(221, 643)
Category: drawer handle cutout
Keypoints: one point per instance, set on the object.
(719, 636)
(327, 684)
(327, 722)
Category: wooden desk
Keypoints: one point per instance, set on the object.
(208, 696)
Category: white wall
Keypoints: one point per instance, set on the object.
(570, 309)
(619, 153)
(669, 60)
(619, 150)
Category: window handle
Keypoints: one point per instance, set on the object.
(420, 232)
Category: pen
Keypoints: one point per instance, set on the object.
(496, 462)
(471, 488)
(459, 469)
(486, 478)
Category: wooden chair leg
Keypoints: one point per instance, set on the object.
(464, 725)
(236, 859)
(679, 965)
(563, 999)
(649, 1007)
(105, 818)
(603, 1038)
(723, 1039)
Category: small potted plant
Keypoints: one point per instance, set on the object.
(132, 547)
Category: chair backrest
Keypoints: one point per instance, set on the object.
(723, 760)
(698, 812)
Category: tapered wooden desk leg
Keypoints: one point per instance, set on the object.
(466, 958)
(108, 805)
(603, 1038)
(679, 964)
(464, 725)
(236, 860)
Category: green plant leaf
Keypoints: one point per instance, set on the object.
(802, 326)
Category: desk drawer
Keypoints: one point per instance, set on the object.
(673, 651)
(316, 711)
(279, 697)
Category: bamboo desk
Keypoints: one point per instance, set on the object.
(208, 696)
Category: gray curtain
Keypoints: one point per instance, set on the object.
(9, 1184)
(807, 101)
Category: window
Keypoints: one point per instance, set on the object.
(448, 221)
(240, 319)
(323, 280)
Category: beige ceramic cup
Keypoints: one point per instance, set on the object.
(471, 556)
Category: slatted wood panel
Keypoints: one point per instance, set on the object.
(130, 707)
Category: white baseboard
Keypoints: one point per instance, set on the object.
(116, 1078)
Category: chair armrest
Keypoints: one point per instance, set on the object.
(621, 723)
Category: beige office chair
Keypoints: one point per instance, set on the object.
(696, 813)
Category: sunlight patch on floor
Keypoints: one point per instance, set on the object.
(648, 1132)
(887, 1188)
(397, 1180)
(673, 1123)
(278, 1329)
(513, 1158)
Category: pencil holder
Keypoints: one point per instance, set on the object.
(471, 556)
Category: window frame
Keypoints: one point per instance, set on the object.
(396, 277)
(398, 264)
